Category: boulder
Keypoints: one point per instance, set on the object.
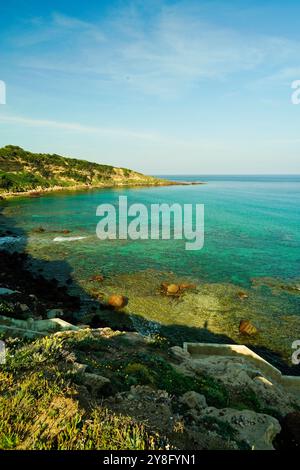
(247, 328)
(193, 400)
(94, 382)
(117, 301)
(24, 308)
(236, 374)
(78, 368)
(173, 289)
(256, 429)
(242, 295)
(179, 353)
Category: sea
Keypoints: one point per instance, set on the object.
(248, 268)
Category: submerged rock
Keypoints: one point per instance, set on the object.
(39, 230)
(185, 286)
(247, 328)
(117, 301)
(97, 278)
(173, 289)
(242, 295)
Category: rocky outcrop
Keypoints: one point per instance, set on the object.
(255, 429)
(94, 382)
(193, 400)
(238, 374)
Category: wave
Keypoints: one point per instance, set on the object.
(67, 239)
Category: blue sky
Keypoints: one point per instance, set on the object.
(158, 86)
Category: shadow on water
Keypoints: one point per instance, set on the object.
(17, 273)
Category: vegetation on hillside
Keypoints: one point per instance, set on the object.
(22, 171)
(48, 402)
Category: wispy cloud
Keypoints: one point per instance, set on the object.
(116, 134)
(77, 127)
(163, 54)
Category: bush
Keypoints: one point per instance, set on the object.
(138, 374)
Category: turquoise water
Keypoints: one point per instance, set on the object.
(252, 243)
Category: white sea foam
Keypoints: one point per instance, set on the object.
(9, 240)
(68, 239)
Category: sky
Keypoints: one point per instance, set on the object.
(162, 87)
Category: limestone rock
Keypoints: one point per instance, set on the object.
(193, 400)
(24, 308)
(236, 373)
(94, 382)
(256, 429)
(78, 368)
(179, 353)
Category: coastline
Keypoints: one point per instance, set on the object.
(117, 372)
(39, 192)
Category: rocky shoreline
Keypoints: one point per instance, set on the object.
(175, 401)
(39, 192)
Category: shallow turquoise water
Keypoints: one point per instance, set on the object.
(252, 241)
(252, 227)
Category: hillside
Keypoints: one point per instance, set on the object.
(23, 171)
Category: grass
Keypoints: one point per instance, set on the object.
(39, 407)
(44, 404)
(134, 367)
(40, 412)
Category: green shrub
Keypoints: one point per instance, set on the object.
(138, 374)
